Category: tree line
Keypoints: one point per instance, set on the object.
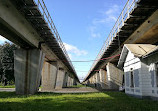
(7, 63)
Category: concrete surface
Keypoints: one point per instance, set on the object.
(27, 70)
(49, 75)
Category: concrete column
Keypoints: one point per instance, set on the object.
(49, 75)
(60, 78)
(103, 79)
(98, 80)
(68, 83)
(114, 76)
(65, 80)
(27, 70)
(74, 82)
(95, 79)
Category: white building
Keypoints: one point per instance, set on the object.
(140, 65)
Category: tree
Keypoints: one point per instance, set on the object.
(7, 62)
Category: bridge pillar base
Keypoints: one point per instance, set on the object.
(114, 76)
(103, 79)
(65, 80)
(98, 82)
(49, 75)
(60, 78)
(27, 69)
(68, 82)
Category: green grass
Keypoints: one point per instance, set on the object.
(78, 86)
(108, 101)
(8, 86)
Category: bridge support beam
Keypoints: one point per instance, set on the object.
(114, 76)
(49, 75)
(27, 69)
(72, 81)
(65, 80)
(68, 81)
(103, 79)
(98, 82)
(60, 78)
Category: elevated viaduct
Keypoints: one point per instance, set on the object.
(137, 24)
(28, 24)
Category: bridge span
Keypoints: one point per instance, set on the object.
(137, 24)
(28, 24)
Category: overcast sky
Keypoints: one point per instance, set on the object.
(83, 26)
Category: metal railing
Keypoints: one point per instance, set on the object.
(44, 11)
(125, 14)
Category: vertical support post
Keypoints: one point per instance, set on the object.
(27, 69)
(114, 76)
(60, 78)
(49, 75)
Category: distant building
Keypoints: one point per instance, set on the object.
(140, 65)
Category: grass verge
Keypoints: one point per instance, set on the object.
(8, 86)
(108, 101)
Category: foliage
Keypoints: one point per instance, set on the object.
(104, 101)
(7, 63)
(7, 86)
(78, 86)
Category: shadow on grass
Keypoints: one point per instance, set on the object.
(106, 101)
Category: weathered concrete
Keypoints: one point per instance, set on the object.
(49, 75)
(103, 79)
(60, 78)
(74, 82)
(68, 82)
(27, 69)
(98, 83)
(16, 28)
(65, 80)
(114, 76)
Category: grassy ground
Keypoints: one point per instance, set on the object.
(108, 101)
(9, 86)
(78, 86)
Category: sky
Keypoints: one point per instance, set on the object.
(83, 26)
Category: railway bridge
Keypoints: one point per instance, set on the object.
(137, 24)
(28, 24)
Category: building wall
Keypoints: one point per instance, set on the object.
(144, 76)
(135, 64)
(151, 75)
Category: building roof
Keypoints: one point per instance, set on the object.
(139, 50)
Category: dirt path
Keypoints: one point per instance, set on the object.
(7, 89)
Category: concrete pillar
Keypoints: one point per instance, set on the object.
(60, 78)
(49, 75)
(68, 83)
(65, 80)
(27, 70)
(114, 76)
(103, 79)
(95, 79)
(98, 80)
(74, 82)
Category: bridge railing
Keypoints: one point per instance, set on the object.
(125, 14)
(44, 11)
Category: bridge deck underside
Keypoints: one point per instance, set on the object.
(32, 13)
